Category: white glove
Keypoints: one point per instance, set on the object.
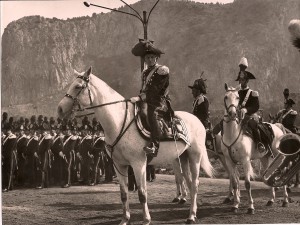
(61, 154)
(35, 155)
(243, 112)
(135, 99)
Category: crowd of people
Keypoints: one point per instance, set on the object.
(39, 153)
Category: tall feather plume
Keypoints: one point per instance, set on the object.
(294, 29)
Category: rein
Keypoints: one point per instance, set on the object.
(235, 119)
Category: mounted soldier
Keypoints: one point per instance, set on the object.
(287, 116)
(249, 103)
(9, 158)
(201, 103)
(154, 91)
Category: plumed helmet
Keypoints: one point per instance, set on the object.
(286, 92)
(294, 29)
(52, 120)
(40, 118)
(21, 120)
(4, 115)
(11, 119)
(243, 62)
(200, 85)
(33, 118)
(245, 74)
(145, 47)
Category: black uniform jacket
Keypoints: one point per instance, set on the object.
(155, 84)
(200, 109)
(252, 103)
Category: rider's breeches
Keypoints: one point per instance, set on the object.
(253, 125)
(153, 117)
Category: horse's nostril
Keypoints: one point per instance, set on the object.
(59, 110)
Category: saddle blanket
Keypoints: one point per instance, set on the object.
(181, 132)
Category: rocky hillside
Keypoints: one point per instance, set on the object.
(39, 54)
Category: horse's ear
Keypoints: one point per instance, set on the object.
(76, 72)
(89, 71)
(226, 87)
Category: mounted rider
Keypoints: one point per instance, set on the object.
(201, 103)
(249, 103)
(287, 116)
(154, 90)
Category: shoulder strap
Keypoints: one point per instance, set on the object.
(246, 98)
(288, 112)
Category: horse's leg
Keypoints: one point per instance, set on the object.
(248, 170)
(285, 197)
(297, 182)
(229, 197)
(181, 191)
(192, 180)
(122, 173)
(264, 163)
(140, 177)
(234, 182)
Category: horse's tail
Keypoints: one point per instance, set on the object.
(206, 165)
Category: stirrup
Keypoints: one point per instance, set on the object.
(261, 148)
(151, 149)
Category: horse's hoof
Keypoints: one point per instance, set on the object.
(285, 204)
(269, 203)
(182, 201)
(176, 200)
(227, 201)
(250, 211)
(234, 210)
(189, 221)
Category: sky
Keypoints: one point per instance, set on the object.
(14, 10)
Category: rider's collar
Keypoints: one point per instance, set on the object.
(246, 88)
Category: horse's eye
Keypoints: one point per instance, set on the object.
(78, 87)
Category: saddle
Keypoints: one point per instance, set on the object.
(171, 127)
(266, 133)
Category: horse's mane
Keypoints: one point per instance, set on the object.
(99, 84)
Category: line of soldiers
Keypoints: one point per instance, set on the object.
(40, 153)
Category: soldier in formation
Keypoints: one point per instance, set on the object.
(38, 152)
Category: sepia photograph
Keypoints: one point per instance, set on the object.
(150, 112)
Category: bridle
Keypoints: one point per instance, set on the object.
(237, 120)
(75, 99)
(124, 128)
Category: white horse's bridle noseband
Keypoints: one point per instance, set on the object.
(75, 99)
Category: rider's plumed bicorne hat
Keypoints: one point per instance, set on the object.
(145, 47)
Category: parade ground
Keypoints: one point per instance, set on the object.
(101, 204)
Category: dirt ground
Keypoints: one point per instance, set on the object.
(101, 204)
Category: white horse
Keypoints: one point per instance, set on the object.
(240, 148)
(117, 118)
